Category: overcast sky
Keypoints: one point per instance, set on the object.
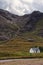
(21, 7)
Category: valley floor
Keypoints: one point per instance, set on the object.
(22, 62)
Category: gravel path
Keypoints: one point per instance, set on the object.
(22, 62)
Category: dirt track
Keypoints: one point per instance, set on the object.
(23, 62)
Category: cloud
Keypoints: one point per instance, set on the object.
(17, 7)
(38, 5)
(21, 7)
(4, 4)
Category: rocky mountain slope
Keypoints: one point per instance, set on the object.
(27, 26)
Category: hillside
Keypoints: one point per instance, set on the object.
(19, 33)
(29, 27)
(7, 29)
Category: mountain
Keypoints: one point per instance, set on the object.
(7, 28)
(29, 26)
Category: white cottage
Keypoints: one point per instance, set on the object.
(34, 50)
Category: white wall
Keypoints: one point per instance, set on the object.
(34, 50)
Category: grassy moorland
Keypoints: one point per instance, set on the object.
(21, 33)
(19, 48)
